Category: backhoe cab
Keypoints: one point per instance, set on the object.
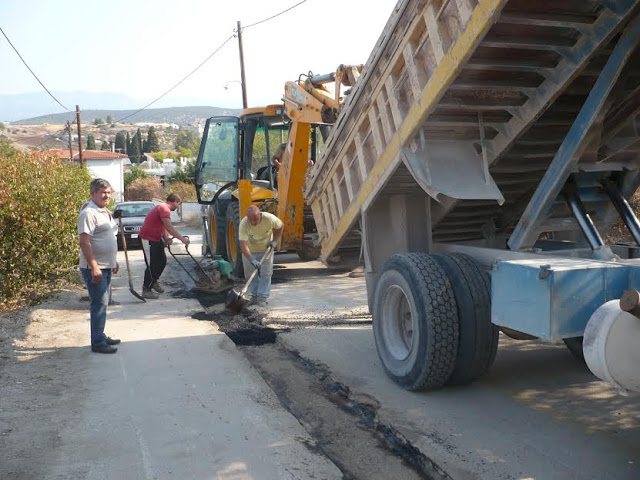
(235, 164)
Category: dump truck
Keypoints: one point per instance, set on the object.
(235, 166)
(484, 153)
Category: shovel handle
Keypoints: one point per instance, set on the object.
(255, 270)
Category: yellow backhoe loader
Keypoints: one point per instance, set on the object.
(235, 166)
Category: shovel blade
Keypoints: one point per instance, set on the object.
(235, 302)
(137, 295)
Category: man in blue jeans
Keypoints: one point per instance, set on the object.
(257, 232)
(98, 251)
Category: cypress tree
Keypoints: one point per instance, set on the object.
(121, 143)
(91, 142)
(153, 143)
(127, 144)
(105, 145)
(135, 154)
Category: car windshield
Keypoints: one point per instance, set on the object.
(135, 209)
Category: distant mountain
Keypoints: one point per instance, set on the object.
(27, 105)
(177, 115)
(37, 108)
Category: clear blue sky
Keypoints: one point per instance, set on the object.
(140, 48)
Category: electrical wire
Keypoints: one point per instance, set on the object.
(32, 72)
(192, 72)
(274, 16)
(177, 84)
(208, 58)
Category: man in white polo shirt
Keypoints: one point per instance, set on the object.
(98, 251)
(257, 231)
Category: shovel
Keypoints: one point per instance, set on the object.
(237, 301)
(118, 214)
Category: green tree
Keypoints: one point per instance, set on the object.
(188, 138)
(135, 151)
(184, 174)
(109, 119)
(98, 121)
(127, 147)
(153, 142)
(91, 142)
(2, 127)
(105, 145)
(7, 149)
(121, 143)
(133, 174)
(185, 152)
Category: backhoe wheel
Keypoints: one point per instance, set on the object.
(217, 226)
(232, 242)
(415, 321)
(308, 252)
(478, 341)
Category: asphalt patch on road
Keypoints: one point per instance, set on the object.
(345, 425)
(206, 299)
(284, 275)
(242, 329)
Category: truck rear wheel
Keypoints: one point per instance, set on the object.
(415, 321)
(231, 238)
(478, 341)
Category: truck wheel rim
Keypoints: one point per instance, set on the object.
(397, 323)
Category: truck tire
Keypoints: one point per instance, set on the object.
(478, 340)
(574, 345)
(415, 321)
(232, 228)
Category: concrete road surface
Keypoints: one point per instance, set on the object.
(177, 400)
(538, 414)
(180, 400)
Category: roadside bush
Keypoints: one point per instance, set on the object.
(145, 189)
(186, 191)
(41, 197)
(132, 175)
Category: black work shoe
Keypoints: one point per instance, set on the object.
(103, 349)
(113, 341)
(156, 286)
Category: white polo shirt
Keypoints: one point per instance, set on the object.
(99, 224)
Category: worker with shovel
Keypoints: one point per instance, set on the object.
(258, 232)
(154, 234)
(98, 252)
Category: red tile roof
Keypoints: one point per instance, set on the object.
(86, 154)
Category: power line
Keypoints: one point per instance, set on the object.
(32, 73)
(177, 84)
(274, 16)
(192, 72)
(208, 58)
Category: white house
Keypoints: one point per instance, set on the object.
(101, 164)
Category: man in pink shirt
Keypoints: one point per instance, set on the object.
(155, 235)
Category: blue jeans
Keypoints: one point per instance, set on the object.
(99, 296)
(261, 285)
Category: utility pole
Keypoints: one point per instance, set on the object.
(242, 77)
(70, 147)
(79, 135)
